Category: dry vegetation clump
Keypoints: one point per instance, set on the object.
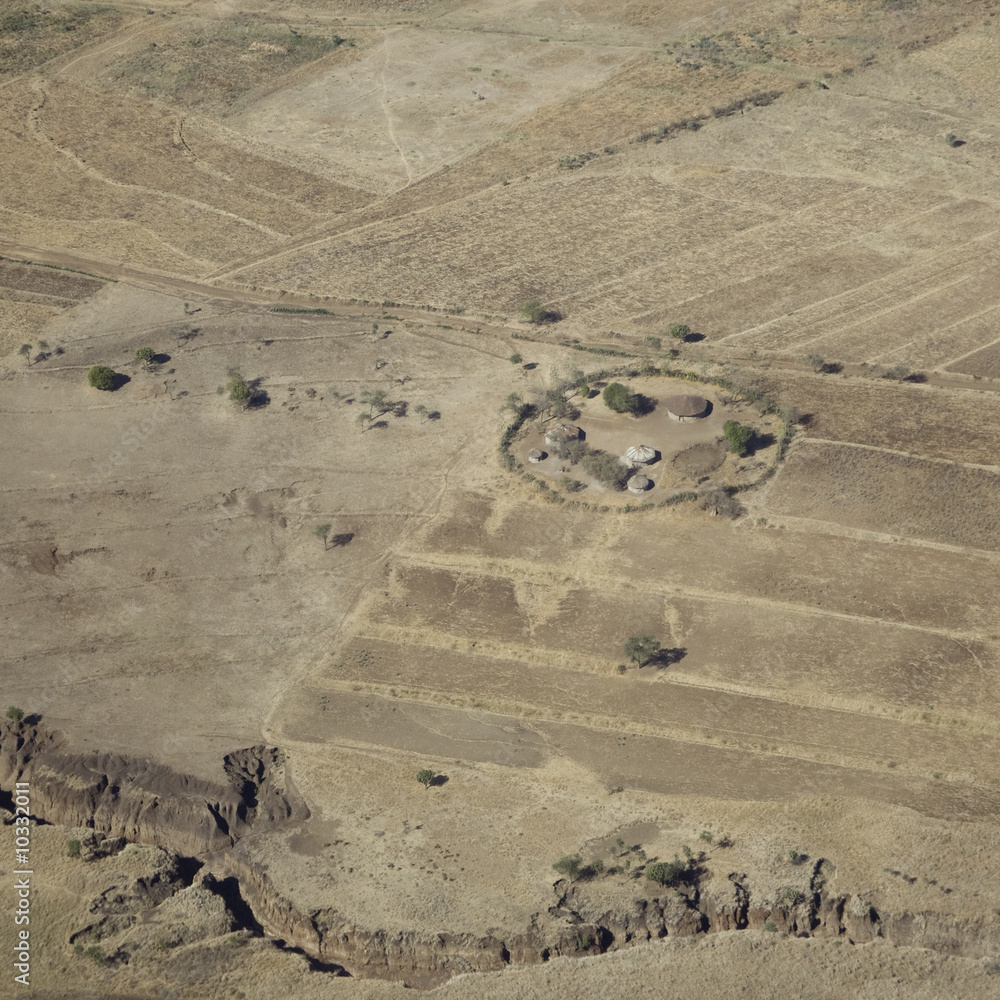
(31, 34)
(212, 66)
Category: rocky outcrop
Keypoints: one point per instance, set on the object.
(139, 800)
(144, 801)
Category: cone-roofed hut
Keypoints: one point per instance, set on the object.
(638, 454)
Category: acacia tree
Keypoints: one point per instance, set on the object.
(25, 351)
(426, 777)
(680, 331)
(101, 377)
(145, 355)
(640, 649)
(322, 531)
(738, 436)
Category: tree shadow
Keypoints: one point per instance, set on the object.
(644, 405)
(434, 415)
(120, 379)
(188, 335)
(693, 338)
(831, 368)
(438, 780)
(916, 377)
(530, 366)
(399, 408)
(759, 442)
(666, 658)
(378, 425)
(159, 359)
(341, 541)
(258, 396)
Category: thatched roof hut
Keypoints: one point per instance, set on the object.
(638, 484)
(558, 433)
(685, 408)
(536, 455)
(637, 455)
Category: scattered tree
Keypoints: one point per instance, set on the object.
(640, 649)
(617, 397)
(145, 355)
(667, 873)
(532, 311)
(426, 777)
(239, 389)
(816, 361)
(738, 436)
(953, 140)
(25, 351)
(15, 714)
(570, 866)
(322, 531)
(680, 331)
(102, 377)
(73, 848)
(516, 359)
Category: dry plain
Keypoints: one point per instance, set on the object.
(821, 732)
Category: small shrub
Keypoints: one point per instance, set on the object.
(706, 836)
(73, 848)
(794, 855)
(532, 311)
(425, 777)
(101, 377)
(680, 331)
(516, 359)
(770, 925)
(145, 355)
(15, 714)
(607, 469)
(738, 436)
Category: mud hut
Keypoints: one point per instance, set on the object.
(536, 455)
(561, 433)
(686, 408)
(638, 484)
(638, 455)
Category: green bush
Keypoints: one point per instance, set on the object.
(73, 848)
(570, 866)
(101, 377)
(532, 311)
(666, 872)
(145, 355)
(641, 649)
(15, 714)
(606, 469)
(425, 777)
(680, 331)
(738, 436)
(617, 397)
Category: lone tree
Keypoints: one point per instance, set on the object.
(101, 377)
(426, 777)
(25, 351)
(666, 872)
(640, 649)
(571, 865)
(617, 397)
(680, 331)
(145, 355)
(322, 531)
(738, 436)
(15, 714)
(239, 389)
(516, 359)
(532, 311)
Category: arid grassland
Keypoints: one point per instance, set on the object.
(336, 665)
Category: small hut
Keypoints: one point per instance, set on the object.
(638, 484)
(638, 455)
(536, 455)
(686, 408)
(561, 433)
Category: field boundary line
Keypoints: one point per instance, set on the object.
(499, 568)
(995, 469)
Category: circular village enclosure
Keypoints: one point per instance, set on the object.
(675, 445)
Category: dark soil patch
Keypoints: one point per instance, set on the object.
(700, 459)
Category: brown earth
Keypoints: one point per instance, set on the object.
(779, 180)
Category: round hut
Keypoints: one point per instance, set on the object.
(561, 433)
(686, 408)
(638, 484)
(638, 455)
(536, 455)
